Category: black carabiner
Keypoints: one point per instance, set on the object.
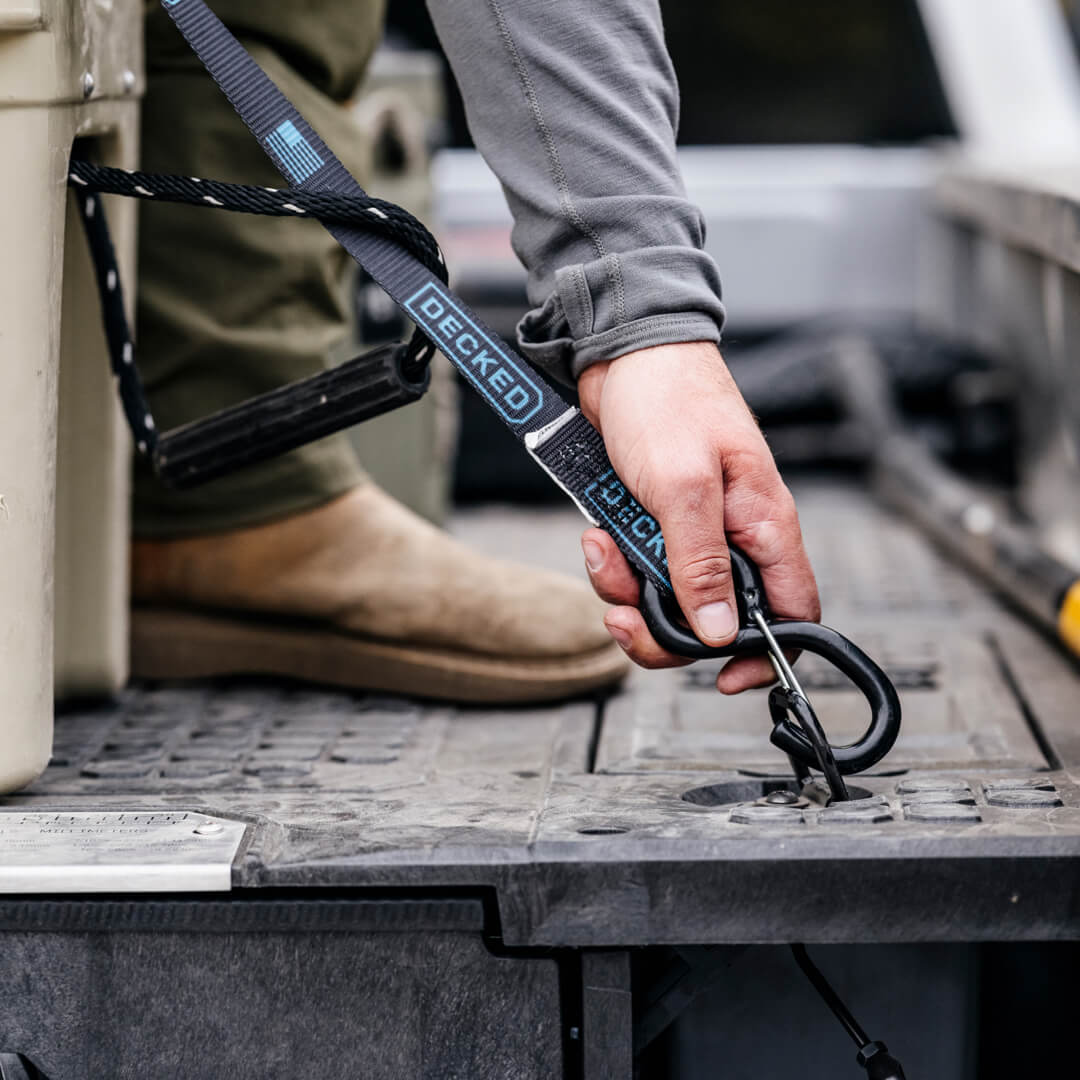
(665, 622)
(785, 701)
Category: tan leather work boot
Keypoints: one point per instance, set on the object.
(364, 594)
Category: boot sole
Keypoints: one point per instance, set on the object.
(173, 644)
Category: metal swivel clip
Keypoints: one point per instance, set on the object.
(796, 729)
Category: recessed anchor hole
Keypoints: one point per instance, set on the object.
(749, 790)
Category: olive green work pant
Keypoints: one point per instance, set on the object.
(231, 305)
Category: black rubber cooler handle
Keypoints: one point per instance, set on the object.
(286, 418)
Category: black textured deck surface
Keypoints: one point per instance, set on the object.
(633, 821)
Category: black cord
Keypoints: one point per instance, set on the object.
(873, 1056)
(830, 996)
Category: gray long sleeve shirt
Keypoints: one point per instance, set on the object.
(574, 105)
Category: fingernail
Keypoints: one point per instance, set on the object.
(716, 621)
(623, 637)
(594, 554)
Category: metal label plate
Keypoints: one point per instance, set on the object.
(116, 851)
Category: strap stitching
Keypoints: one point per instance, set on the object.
(558, 174)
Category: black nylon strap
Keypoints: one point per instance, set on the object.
(559, 437)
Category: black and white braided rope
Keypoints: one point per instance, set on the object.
(88, 181)
(362, 211)
(117, 329)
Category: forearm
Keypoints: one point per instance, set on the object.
(574, 105)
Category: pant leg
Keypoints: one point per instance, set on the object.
(229, 305)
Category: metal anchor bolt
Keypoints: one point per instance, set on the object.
(781, 798)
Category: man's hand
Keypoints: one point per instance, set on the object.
(683, 440)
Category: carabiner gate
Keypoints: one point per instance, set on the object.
(802, 740)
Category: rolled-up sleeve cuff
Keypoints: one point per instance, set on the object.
(618, 304)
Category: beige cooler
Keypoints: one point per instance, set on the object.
(72, 69)
(68, 69)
